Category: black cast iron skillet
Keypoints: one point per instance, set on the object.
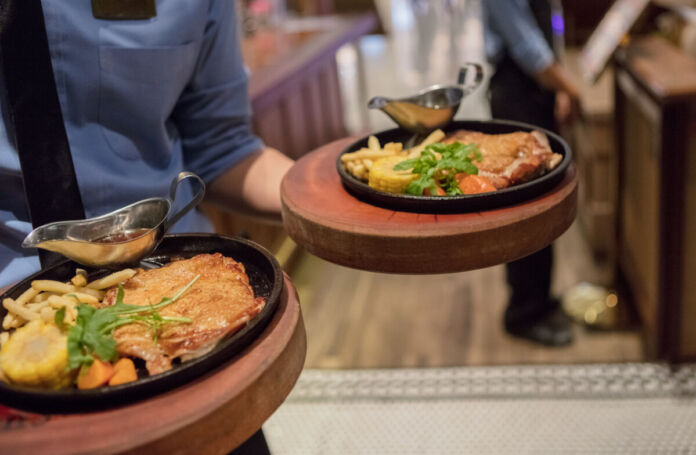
(461, 203)
(265, 276)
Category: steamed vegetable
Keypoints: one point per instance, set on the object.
(475, 184)
(383, 177)
(124, 371)
(95, 375)
(36, 355)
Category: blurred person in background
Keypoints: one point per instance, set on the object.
(523, 41)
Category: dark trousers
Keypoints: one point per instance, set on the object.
(516, 96)
(529, 280)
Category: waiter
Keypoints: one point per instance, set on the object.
(523, 39)
(145, 90)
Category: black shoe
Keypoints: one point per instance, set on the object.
(554, 329)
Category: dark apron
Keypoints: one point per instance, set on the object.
(517, 96)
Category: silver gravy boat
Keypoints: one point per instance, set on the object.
(119, 238)
(432, 107)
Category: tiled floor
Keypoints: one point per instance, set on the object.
(586, 409)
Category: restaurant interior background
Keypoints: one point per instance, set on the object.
(624, 268)
(310, 58)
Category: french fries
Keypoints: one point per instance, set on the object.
(82, 297)
(111, 280)
(20, 310)
(359, 163)
(45, 297)
(12, 321)
(27, 296)
(79, 280)
(52, 286)
(433, 138)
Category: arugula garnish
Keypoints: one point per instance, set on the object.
(433, 172)
(92, 333)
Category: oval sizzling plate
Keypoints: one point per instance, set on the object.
(265, 277)
(462, 203)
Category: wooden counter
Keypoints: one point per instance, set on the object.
(293, 84)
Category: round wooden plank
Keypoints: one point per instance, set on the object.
(212, 414)
(320, 215)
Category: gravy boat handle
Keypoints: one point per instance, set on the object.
(464, 71)
(197, 198)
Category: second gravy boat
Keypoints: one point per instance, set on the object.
(432, 107)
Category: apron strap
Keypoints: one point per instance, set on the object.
(49, 178)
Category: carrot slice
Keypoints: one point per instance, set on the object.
(440, 191)
(124, 371)
(96, 375)
(475, 184)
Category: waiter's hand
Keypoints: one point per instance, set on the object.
(252, 186)
(555, 78)
(568, 108)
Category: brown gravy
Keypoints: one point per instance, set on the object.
(120, 237)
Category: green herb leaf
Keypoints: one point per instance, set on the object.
(454, 158)
(59, 318)
(406, 165)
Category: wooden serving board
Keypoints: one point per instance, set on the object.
(320, 215)
(213, 414)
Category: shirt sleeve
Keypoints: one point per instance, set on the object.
(213, 114)
(514, 22)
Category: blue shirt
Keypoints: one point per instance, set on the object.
(509, 26)
(142, 100)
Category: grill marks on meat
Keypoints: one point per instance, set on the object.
(219, 303)
(510, 159)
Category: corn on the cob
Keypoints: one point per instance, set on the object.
(36, 355)
(383, 177)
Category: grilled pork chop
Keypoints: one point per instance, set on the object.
(219, 303)
(510, 159)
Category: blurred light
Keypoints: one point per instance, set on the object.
(590, 316)
(347, 60)
(612, 300)
(260, 7)
(402, 15)
(373, 45)
(557, 24)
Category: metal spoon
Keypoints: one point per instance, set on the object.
(119, 238)
(433, 107)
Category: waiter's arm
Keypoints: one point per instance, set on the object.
(253, 185)
(213, 116)
(568, 107)
(514, 21)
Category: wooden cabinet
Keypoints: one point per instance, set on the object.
(655, 116)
